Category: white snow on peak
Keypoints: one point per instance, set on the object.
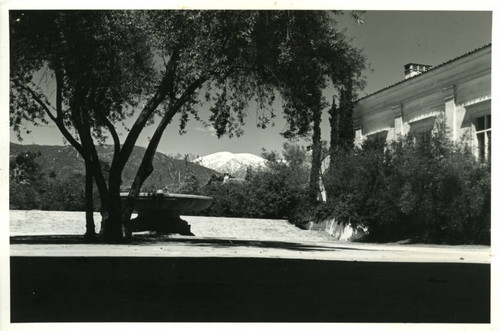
(236, 164)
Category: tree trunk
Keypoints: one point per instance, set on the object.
(334, 130)
(118, 221)
(334, 140)
(146, 166)
(314, 189)
(90, 234)
(112, 229)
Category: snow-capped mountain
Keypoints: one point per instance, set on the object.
(236, 164)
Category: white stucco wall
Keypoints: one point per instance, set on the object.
(457, 91)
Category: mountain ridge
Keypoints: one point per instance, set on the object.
(65, 162)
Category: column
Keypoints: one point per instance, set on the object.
(397, 111)
(358, 132)
(450, 112)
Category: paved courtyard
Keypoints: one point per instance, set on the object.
(237, 270)
(42, 233)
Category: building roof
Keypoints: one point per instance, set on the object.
(429, 70)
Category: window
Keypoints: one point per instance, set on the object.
(376, 141)
(422, 135)
(483, 136)
(421, 130)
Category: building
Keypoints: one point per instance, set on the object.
(456, 93)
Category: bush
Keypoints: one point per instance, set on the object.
(23, 196)
(68, 195)
(429, 191)
(228, 200)
(31, 189)
(190, 186)
(274, 192)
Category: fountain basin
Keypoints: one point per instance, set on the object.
(161, 211)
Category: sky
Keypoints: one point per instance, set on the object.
(388, 39)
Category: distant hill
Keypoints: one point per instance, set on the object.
(236, 164)
(65, 162)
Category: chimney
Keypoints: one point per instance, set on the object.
(413, 69)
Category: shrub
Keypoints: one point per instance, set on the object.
(31, 189)
(228, 200)
(190, 186)
(429, 191)
(23, 196)
(64, 194)
(274, 192)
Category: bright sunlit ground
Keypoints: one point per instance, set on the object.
(51, 233)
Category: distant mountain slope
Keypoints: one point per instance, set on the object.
(236, 164)
(65, 162)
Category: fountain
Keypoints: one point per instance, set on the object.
(161, 211)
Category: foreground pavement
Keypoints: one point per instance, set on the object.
(231, 289)
(225, 274)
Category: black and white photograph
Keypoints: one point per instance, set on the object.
(269, 164)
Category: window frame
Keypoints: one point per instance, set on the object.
(483, 151)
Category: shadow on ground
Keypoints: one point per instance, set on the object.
(152, 239)
(177, 289)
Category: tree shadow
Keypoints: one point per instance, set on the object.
(224, 242)
(147, 239)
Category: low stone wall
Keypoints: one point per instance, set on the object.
(335, 229)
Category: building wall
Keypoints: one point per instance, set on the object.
(456, 92)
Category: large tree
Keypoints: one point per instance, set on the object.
(328, 61)
(81, 70)
(87, 71)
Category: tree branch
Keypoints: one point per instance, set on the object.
(190, 90)
(57, 120)
(82, 124)
(59, 87)
(114, 135)
(166, 87)
(146, 166)
(35, 97)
